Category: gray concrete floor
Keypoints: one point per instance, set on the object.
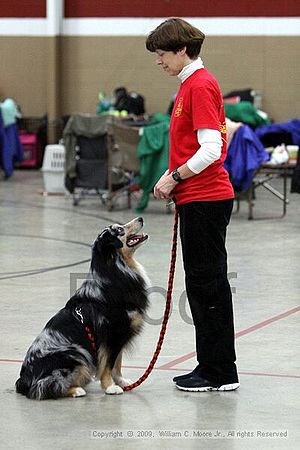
(45, 242)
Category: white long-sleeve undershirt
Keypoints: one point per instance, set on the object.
(210, 141)
(210, 150)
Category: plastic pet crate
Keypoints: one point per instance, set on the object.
(53, 169)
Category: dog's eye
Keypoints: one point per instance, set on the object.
(117, 230)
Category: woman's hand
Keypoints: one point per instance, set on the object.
(164, 186)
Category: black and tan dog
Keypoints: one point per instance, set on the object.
(87, 336)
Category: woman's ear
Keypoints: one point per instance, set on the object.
(182, 51)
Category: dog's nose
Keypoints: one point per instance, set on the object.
(141, 220)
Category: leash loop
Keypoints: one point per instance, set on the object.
(167, 309)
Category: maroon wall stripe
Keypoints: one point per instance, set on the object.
(154, 8)
(181, 8)
(23, 8)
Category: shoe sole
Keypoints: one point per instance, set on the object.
(224, 387)
(227, 387)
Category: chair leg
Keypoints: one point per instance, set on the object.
(250, 202)
(238, 204)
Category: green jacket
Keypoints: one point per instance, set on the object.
(153, 153)
(244, 112)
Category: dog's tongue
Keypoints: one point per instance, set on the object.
(135, 239)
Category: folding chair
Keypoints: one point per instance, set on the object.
(123, 163)
(85, 139)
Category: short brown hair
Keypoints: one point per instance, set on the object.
(173, 34)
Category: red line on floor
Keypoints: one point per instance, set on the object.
(176, 361)
(169, 365)
(259, 374)
(9, 361)
(239, 334)
(268, 321)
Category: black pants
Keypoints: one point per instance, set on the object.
(203, 233)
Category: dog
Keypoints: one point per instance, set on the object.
(86, 338)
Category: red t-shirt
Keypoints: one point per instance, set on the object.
(198, 104)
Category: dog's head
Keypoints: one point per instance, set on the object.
(126, 237)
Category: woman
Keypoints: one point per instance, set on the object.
(200, 186)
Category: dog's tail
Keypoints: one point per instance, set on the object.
(48, 387)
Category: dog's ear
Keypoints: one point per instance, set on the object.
(108, 238)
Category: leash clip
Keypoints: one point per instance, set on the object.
(79, 313)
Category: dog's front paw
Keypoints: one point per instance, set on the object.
(76, 392)
(114, 389)
(120, 381)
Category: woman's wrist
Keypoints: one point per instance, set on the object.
(182, 173)
(176, 176)
(171, 179)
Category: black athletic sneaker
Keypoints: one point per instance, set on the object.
(195, 383)
(185, 376)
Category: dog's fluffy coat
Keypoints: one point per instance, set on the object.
(87, 336)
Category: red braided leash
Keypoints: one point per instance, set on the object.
(166, 313)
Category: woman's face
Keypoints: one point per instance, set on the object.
(171, 62)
